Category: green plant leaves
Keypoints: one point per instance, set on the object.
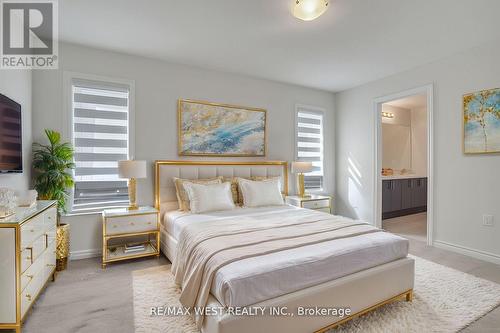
(52, 164)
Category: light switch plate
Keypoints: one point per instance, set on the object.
(488, 220)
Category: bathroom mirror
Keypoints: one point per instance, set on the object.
(396, 146)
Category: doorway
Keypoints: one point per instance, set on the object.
(403, 188)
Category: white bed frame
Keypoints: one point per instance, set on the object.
(361, 292)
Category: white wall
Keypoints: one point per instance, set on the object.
(465, 186)
(419, 141)
(16, 84)
(158, 86)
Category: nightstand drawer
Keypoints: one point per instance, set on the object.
(316, 204)
(131, 224)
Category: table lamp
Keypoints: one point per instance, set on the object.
(300, 168)
(132, 169)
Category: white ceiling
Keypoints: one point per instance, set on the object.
(411, 102)
(354, 42)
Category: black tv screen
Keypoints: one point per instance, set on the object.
(11, 146)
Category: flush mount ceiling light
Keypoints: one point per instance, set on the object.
(387, 114)
(308, 10)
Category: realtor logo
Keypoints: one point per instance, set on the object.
(29, 34)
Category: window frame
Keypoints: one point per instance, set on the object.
(68, 78)
(312, 109)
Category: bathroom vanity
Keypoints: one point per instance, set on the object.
(403, 195)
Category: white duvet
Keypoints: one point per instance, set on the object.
(257, 279)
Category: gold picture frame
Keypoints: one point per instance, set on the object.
(245, 119)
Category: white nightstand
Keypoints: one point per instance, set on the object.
(317, 202)
(126, 224)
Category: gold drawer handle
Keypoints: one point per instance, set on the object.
(28, 296)
(51, 265)
(28, 258)
(149, 223)
(30, 277)
(32, 230)
(115, 226)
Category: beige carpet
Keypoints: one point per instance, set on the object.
(446, 300)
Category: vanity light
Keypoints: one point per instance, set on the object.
(387, 114)
(308, 10)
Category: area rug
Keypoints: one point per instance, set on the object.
(445, 300)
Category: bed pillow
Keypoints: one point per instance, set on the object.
(234, 188)
(209, 197)
(182, 196)
(261, 193)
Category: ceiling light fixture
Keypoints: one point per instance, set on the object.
(308, 10)
(387, 114)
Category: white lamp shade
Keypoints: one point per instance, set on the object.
(132, 169)
(308, 10)
(302, 167)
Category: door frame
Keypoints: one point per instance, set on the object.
(377, 186)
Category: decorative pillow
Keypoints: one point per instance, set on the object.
(239, 200)
(182, 196)
(209, 197)
(234, 188)
(261, 193)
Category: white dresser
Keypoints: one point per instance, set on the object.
(27, 260)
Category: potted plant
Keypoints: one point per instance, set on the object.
(53, 164)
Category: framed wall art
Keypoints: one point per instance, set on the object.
(211, 129)
(481, 122)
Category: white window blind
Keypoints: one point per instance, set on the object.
(101, 139)
(309, 140)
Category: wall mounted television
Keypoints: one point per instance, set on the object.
(11, 146)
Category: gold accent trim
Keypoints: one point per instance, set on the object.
(497, 152)
(159, 163)
(408, 295)
(179, 127)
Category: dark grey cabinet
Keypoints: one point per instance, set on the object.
(403, 197)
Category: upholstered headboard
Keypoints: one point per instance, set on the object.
(165, 197)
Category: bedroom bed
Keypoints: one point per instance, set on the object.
(353, 266)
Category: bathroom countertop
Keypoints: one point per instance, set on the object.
(411, 176)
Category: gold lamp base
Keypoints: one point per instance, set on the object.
(132, 194)
(300, 186)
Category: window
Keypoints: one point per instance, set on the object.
(309, 144)
(100, 134)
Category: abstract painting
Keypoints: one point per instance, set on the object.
(482, 122)
(210, 129)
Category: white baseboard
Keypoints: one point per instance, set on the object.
(84, 254)
(478, 254)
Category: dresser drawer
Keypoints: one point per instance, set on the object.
(31, 290)
(31, 272)
(42, 268)
(316, 204)
(50, 218)
(31, 230)
(32, 252)
(50, 259)
(131, 224)
(38, 246)
(51, 235)
(26, 258)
